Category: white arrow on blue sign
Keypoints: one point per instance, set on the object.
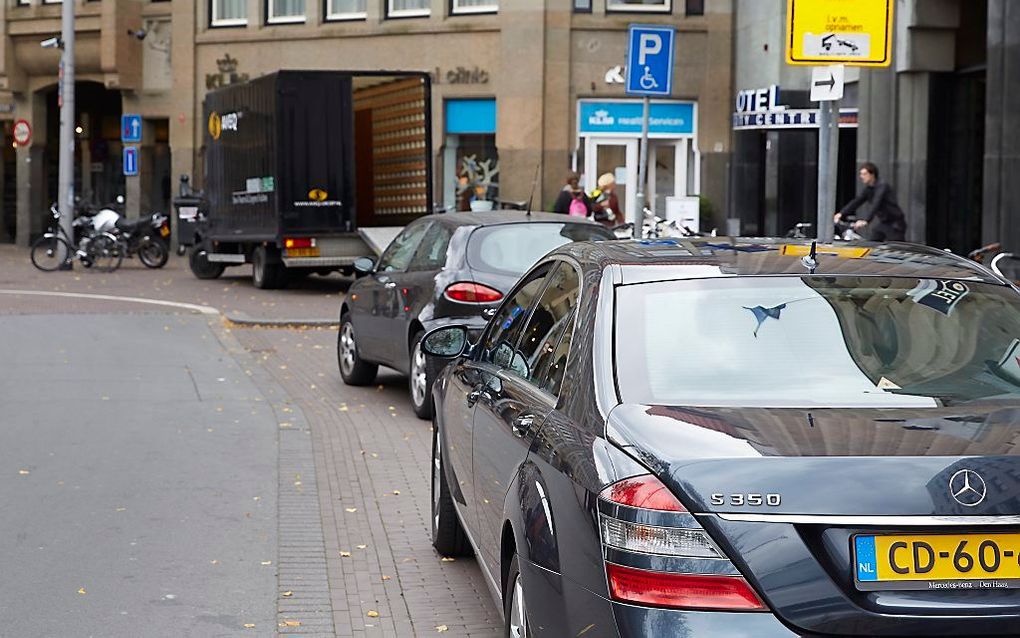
(131, 128)
(130, 161)
(650, 60)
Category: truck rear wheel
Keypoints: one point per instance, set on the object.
(267, 272)
(200, 265)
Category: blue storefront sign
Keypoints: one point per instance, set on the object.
(666, 119)
(470, 116)
(130, 161)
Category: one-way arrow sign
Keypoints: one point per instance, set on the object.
(827, 83)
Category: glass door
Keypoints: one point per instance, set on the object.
(618, 156)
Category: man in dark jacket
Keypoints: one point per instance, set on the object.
(883, 219)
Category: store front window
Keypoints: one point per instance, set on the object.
(609, 133)
(470, 157)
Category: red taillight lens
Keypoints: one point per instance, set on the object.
(687, 591)
(643, 491)
(469, 292)
(299, 242)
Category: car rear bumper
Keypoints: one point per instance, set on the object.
(559, 607)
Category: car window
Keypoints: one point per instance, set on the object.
(548, 324)
(399, 253)
(500, 342)
(801, 342)
(431, 253)
(514, 248)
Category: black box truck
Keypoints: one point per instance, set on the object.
(305, 171)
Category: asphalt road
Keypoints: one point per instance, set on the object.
(138, 480)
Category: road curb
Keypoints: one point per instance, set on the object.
(243, 319)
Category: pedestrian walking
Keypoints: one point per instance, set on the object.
(572, 200)
(883, 219)
(605, 204)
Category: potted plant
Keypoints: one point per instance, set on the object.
(476, 182)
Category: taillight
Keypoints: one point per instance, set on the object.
(640, 519)
(470, 292)
(299, 242)
(688, 591)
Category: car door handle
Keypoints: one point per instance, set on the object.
(522, 424)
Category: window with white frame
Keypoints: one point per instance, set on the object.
(659, 6)
(286, 11)
(475, 6)
(229, 13)
(345, 9)
(407, 8)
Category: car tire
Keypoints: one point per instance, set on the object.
(353, 370)
(420, 380)
(200, 265)
(515, 616)
(153, 253)
(448, 536)
(266, 272)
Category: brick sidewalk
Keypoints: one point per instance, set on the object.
(372, 459)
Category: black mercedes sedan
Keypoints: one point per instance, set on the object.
(440, 268)
(738, 438)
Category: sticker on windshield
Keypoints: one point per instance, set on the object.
(939, 295)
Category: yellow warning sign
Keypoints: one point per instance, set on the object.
(844, 252)
(853, 32)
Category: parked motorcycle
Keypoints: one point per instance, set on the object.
(146, 237)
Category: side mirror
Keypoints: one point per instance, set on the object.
(447, 342)
(364, 266)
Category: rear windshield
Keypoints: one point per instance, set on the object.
(514, 248)
(873, 342)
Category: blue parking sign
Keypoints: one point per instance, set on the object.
(650, 60)
(130, 161)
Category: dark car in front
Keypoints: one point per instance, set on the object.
(440, 268)
(726, 437)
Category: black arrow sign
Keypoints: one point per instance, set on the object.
(831, 83)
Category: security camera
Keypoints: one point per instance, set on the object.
(52, 43)
(139, 34)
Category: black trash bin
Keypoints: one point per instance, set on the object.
(190, 209)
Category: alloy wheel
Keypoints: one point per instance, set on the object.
(518, 616)
(419, 383)
(347, 348)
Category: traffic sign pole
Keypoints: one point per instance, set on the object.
(639, 214)
(828, 156)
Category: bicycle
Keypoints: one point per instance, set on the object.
(55, 250)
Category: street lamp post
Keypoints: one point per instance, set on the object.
(65, 95)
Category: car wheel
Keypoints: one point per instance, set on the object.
(200, 265)
(448, 537)
(266, 273)
(515, 613)
(420, 381)
(353, 370)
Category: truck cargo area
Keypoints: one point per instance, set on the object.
(309, 170)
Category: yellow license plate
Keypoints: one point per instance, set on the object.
(937, 561)
(303, 252)
(164, 231)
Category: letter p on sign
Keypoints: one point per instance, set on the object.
(649, 44)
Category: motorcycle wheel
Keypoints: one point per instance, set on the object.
(153, 253)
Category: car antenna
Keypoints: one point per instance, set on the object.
(534, 182)
(811, 260)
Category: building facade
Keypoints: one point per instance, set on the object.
(942, 123)
(532, 87)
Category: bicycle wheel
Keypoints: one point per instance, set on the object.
(50, 252)
(106, 252)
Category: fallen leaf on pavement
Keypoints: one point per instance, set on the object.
(23, 472)
(361, 546)
(442, 628)
(81, 590)
(447, 559)
(344, 554)
(372, 613)
(214, 562)
(385, 577)
(249, 625)
(267, 562)
(351, 510)
(292, 623)
(396, 492)
(287, 594)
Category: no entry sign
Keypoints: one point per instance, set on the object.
(22, 132)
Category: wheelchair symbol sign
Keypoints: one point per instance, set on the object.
(650, 60)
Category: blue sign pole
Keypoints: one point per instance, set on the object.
(649, 72)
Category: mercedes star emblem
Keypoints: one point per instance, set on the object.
(968, 488)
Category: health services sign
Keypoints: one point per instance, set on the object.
(622, 118)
